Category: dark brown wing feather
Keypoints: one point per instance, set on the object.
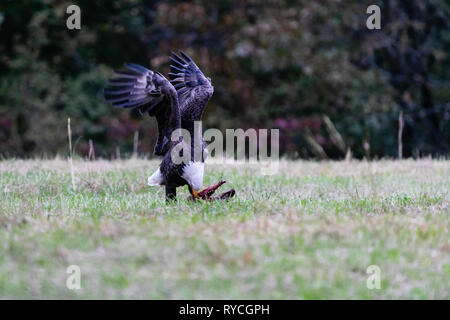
(139, 88)
(193, 88)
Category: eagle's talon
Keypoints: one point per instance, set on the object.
(206, 194)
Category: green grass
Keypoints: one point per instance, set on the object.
(308, 232)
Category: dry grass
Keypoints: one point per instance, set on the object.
(309, 232)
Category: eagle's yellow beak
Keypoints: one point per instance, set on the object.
(194, 193)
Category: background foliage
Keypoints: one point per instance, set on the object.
(274, 64)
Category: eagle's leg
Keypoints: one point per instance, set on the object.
(194, 195)
(190, 190)
(171, 193)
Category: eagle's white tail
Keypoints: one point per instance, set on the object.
(156, 179)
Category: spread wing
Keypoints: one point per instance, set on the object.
(149, 92)
(193, 88)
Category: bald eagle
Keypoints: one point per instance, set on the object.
(175, 104)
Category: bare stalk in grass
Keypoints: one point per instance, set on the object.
(135, 145)
(336, 137)
(72, 174)
(315, 147)
(400, 133)
(91, 154)
(348, 155)
(366, 147)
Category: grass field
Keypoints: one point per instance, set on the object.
(309, 232)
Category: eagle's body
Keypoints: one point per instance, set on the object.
(175, 106)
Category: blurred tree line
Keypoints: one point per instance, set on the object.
(311, 68)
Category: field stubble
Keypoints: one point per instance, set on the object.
(308, 232)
